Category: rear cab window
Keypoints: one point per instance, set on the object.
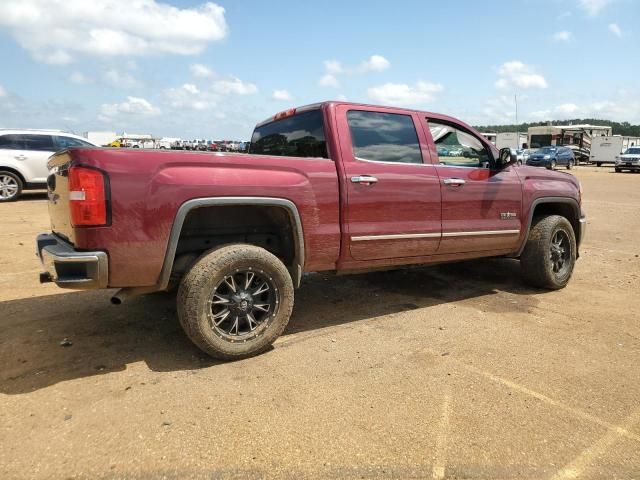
(300, 135)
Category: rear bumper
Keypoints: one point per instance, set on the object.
(69, 268)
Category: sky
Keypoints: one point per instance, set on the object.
(194, 69)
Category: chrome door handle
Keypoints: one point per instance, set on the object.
(364, 179)
(20, 157)
(454, 182)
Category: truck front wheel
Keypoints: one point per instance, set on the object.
(550, 253)
(235, 301)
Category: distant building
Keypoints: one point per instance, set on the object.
(100, 138)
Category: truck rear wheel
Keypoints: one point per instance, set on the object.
(235, 301)
(550, 253)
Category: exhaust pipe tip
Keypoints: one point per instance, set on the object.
(124, 293)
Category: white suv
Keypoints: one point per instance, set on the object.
(23, 158)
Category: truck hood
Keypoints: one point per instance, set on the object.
(535, 173)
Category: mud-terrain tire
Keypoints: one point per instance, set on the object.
(10, 186)
(217, 286)
(549, 255)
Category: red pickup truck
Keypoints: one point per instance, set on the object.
(327, 187)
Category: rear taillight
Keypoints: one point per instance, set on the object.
(87, 197)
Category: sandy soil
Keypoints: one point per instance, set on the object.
(454, 371)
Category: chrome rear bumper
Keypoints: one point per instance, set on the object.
(69, 268)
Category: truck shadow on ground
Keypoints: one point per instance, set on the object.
(106, 338)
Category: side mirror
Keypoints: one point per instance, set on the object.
(506, 158)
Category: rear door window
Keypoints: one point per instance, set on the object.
(39, 143)
(11, 142)
(301, 135)
(384, 137)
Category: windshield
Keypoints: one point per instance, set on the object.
(548, 150)
(633, 151)
(301, 135)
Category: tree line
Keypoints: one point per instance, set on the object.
(619, 128)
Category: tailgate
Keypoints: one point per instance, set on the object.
(58, 193)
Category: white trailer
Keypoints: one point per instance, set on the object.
(605, 149)
(512, 140)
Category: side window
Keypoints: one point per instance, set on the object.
(384, 137)
(41, 143)
(62, 142)
(11, 142)
(458, 148)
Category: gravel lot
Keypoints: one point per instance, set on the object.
(453, 371)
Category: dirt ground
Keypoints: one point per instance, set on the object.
(454, 371)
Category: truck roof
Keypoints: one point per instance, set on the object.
(314, 106)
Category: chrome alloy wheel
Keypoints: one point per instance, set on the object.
(560, 253)
(8, 187)
(242, 305)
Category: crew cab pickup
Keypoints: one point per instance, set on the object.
(333, 186)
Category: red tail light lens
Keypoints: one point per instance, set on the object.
(87, 197)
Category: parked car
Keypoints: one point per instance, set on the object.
(443, 151)
(23, 158)
(551, 157)
(629, 160)
(236, 232)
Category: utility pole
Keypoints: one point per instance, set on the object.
(515, 97)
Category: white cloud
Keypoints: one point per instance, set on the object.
(79, 78)
(567, 108)
(594, 7)
(342, 97)
(615, 29)
(562, 36)
(516, 74)
(333, 66)
(53, 32)
(193, 97)
(132, 106)
(201, 71)
(3, 92)
(281, 95)
(333, 69)
(375, 63)
(402, 94)
(233, 85)
(57, 57)
(119, 79)
(189, 96)
(329, 80)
